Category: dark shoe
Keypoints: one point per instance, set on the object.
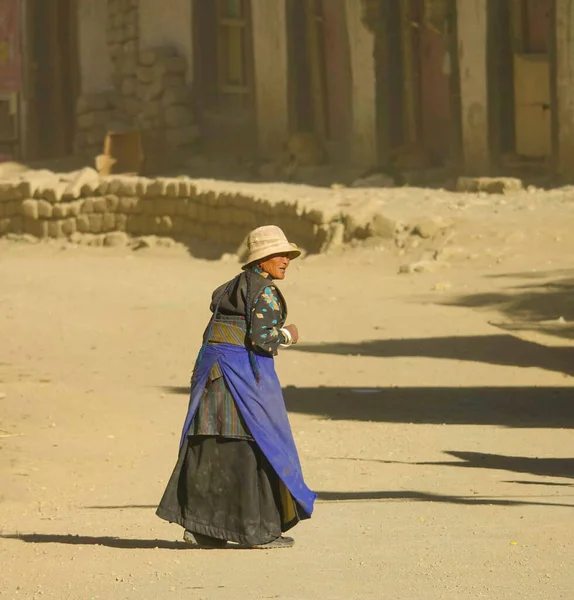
(280, 542)
(204, 541)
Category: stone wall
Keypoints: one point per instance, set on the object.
(94, 61)
(149, 94)
(48, 205)
(168, 24)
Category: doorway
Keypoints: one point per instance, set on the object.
(224, 77)
(432, 68)
(53, 77)
(520, 66)
(416, 71)
(320, 73)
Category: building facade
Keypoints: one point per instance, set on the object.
(476, 86)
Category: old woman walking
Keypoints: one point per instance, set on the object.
(238, 477)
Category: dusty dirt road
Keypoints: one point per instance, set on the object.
(440, 444)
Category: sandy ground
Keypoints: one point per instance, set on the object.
(433, 414)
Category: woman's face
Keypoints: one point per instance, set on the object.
(276, 265)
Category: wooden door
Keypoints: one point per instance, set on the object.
(436, 66)
(53, 76)
(427, 72)
(531, 64)
(224, 76)
(316, 66)
(307, 82)
(337, 103)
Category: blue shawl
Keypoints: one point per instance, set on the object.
(262, 406)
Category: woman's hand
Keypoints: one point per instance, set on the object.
(292, 329)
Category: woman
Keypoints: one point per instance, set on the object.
(238, 477)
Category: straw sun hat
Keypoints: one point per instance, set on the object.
(267, 241)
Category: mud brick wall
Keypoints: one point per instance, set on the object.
(52, 206)
(149, 93)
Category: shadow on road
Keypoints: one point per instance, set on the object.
(120, 507)
(426, 497)
(503, 406)
(520, 407)
(505, 350)
(533, 307)
(544, 483)
(542, 467)
(109, 542)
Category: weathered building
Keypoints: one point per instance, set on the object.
(38, 77)
(91, 66)
(475, 86)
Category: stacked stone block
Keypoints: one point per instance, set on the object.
(51, 206)
(102, 112)
(161, 105)
(123, 28)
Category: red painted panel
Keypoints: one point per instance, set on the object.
(337, 70)
(435, 91)
(537, 23)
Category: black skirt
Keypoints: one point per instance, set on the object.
(225, 488)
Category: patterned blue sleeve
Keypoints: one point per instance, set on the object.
(266, 322)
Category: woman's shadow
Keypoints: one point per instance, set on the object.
(109, 542)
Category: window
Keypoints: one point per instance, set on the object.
(233, 54)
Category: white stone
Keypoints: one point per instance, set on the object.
(86, 180)
(55, 192)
